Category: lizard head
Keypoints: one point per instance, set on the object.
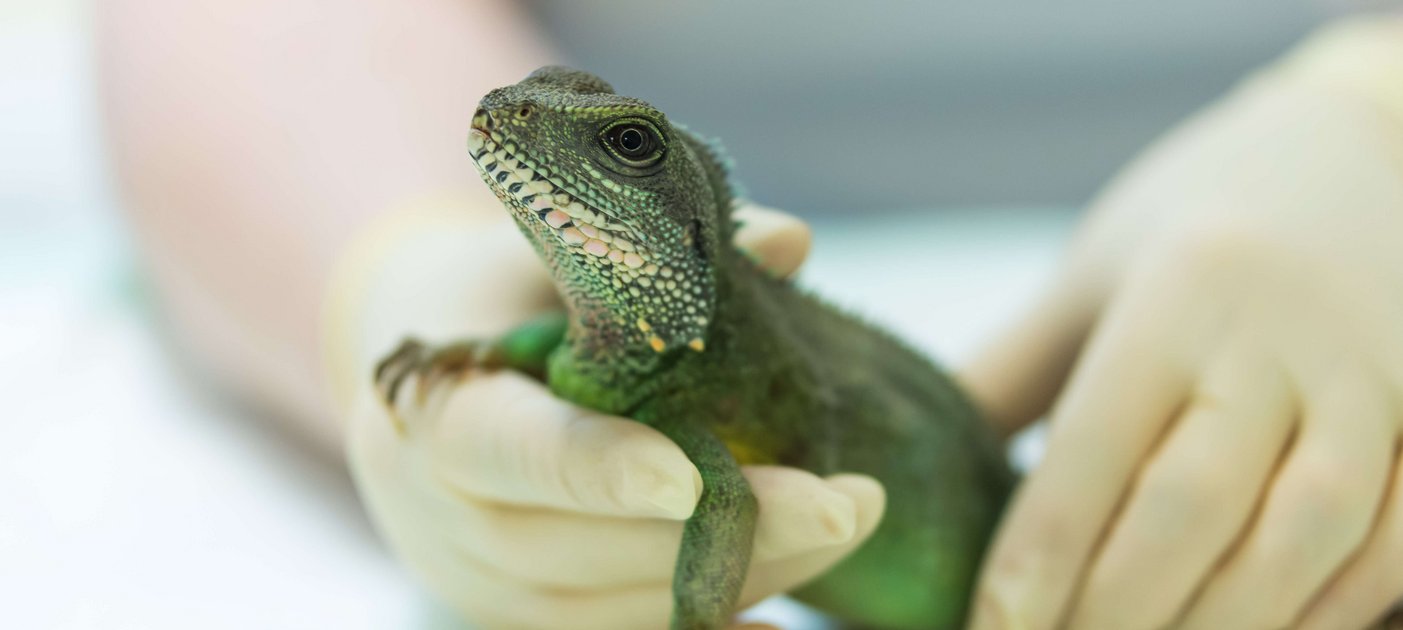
(615, 199)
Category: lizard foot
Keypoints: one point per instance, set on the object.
(431, 368)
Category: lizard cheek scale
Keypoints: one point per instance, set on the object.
(661, 297)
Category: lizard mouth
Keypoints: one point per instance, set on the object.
(535, 199)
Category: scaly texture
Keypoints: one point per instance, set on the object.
(670, 325)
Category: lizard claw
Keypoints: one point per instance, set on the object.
(391, 373)
(432, 367)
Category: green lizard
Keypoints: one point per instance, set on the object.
(667, 323)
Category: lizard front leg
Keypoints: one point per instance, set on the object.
(524, 349)
(717, 539)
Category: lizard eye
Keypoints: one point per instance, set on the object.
(634, 143)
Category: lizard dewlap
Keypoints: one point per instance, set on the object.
(668, 324)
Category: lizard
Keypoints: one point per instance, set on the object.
(667, 323)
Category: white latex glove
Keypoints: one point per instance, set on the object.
(1225, 453)
(521, 510)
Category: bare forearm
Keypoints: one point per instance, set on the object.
(252, 138)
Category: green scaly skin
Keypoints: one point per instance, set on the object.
(670, 325)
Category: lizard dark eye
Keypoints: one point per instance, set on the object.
(634, 143)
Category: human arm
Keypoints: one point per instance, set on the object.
(252, 139)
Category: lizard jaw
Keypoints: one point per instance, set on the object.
(589, 236)
(537, 200)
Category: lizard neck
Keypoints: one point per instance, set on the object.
(611, 366)
(626, 333)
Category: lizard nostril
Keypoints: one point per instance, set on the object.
(481, 119)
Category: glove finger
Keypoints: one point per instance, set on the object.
(1371, 583)
(482, 593)
(779, 241)
(412, 517)
(1318, 512)
(563, 547)
(1124, 392)
(504, 437)
(790, 572)
(1016, 376)
(494, 600)
(799, 513)
(1199, 490)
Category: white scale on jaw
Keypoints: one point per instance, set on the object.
(574, 223)
(671, 294)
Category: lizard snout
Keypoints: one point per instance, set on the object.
(482, 119)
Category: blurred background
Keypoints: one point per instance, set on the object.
(140, 490)
(845, 107)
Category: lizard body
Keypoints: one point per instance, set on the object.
(667, 323)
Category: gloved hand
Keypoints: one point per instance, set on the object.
(1226, 451)
(521, 510)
